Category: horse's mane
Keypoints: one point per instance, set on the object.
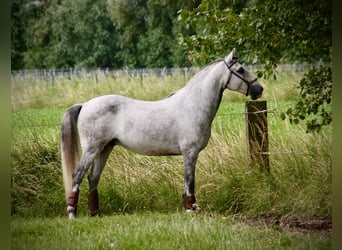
(199, 74)
(205, 68)
(215, 61)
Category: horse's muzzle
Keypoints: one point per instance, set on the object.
(255, 91)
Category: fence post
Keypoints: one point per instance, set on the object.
(257, 133)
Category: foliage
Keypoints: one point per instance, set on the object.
(114, 33)
(56, 34)
(142, 34)
(315, 99)
(264, 32)
(267, 33)
(147, 32)
(211, 23)
(17, 40)
(87, 36)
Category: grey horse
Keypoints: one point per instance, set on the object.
(177, 125)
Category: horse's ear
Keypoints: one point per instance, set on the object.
(233, 52)
(231, 56)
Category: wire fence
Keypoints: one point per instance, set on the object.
(273, 112)
(50, 75)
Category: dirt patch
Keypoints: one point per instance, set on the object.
(313, 224)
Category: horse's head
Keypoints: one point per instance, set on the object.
(241, 79)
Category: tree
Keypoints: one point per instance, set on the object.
(17, 38)
(268, 32)
(104, 33)
(83, 34)
(57, 33)
(148, 31)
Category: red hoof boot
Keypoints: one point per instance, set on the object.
(189, 203)
(93, 202)
(72, 204)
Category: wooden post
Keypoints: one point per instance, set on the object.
(257, 133)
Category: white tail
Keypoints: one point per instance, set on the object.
(70, 147)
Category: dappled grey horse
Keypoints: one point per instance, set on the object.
(177, 125)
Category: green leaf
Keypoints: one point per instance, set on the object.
(282, 115)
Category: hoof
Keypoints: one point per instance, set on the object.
(189, 203)
(72, 216)
(193, 208)
(95, 213)
(71, 212)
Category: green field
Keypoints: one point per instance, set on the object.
(155, 231)
(140, 197)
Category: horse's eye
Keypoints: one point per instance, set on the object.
(241, 70)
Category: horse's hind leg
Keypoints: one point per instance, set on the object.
(85, 162)
(94, 178)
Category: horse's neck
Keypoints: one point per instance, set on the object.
(205, 91)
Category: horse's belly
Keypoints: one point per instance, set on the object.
(148, 133)
(152, 148)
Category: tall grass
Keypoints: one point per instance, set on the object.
(300, 163)
(64, 92)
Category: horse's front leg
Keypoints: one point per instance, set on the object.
(189, 199)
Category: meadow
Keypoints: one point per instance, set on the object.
(140, 196)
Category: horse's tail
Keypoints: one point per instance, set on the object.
(70, 147)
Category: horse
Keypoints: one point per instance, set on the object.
(179, 124)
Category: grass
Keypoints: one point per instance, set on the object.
(141, 191)
(66, 92)
(155, 231)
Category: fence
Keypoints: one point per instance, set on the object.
(257, 133)
(50, 75)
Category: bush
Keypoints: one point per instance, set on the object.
(314, 104)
